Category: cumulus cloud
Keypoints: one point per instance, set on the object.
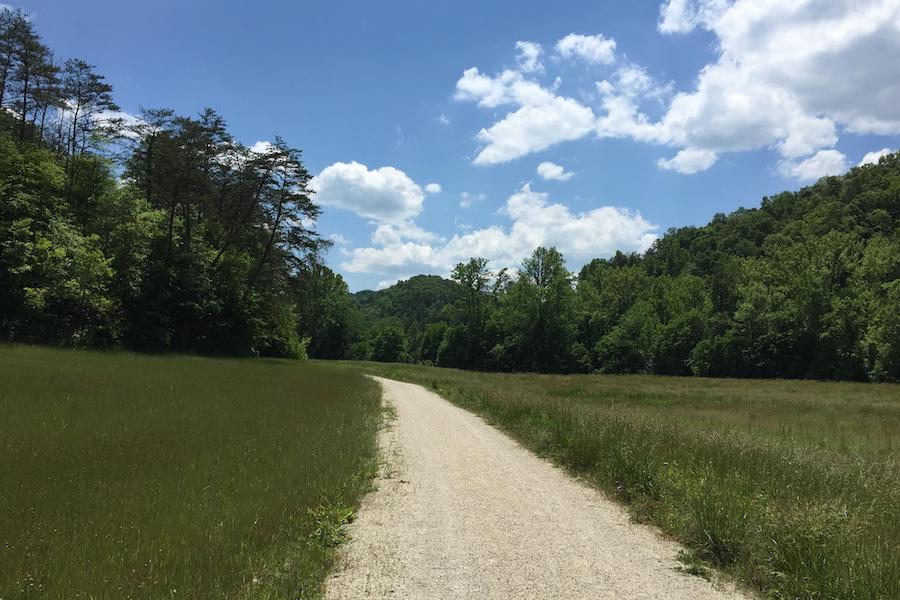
(790, 76)
(534, 221)
(872, 158)
(549, 170)
(534, 128)
(594, 49)
(386, 194)
(822, 163)
(682, 16)
(433, 188)
(542, 119)
(689, 161)
(392, 234)
(622, 117)
(528, 55)
(444, 119)
(509, 87)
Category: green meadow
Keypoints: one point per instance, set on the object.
(128, 476)
(792, 487)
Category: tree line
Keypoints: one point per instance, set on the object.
(805, 286)
(164, 233)
(155, 233)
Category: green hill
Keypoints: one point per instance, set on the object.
(807, 285)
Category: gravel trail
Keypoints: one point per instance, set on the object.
(463, 511)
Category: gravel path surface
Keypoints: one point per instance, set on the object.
(463, 511)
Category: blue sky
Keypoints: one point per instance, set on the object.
(646, 115)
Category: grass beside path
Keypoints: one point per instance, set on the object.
(127, 476)
(791, 486)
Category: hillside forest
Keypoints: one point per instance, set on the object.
(163, 233)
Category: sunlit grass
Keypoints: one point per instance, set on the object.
(126, 476)
(792, 486)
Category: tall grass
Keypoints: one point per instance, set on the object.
(793, 487)
(125, 476)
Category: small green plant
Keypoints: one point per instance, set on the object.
(330, 522)
(692, 565)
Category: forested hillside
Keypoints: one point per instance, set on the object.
(805, 286)
(419, 308)
(157, 233)
(163, 233)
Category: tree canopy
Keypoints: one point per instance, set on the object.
(162, 232)
(805, 286)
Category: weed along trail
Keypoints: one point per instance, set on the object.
(462, 511)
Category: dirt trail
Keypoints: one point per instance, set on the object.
(462, 511)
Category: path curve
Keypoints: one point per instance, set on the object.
(463, 511)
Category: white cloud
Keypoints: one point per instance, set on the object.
(386, 195)
(509, 87)
(806, 133)
(534, 128)
(542, 119)
(689, 161)
(534, 221)
(790, 76)
(392, 234)
(528, 55)
(338, 239)
(623, 118)
(550, 170)
(872, 158)
(620, 100)
(444, 119)
(682, 16)
(262, 147)
(386, 283)
(675, 16)
(633, 81)
(594, 49)
(824, 162)
(466, 199)
(433, 188)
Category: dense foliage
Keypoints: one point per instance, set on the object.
(165, 233)
(156, 233)
(805, 286)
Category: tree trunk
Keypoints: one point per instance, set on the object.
(74, 129)
(271, 242)
(3, 80)
(24, 114)
(234, 229)
(43, 120)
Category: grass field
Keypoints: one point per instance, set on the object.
(791, 486)
(125, 476)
